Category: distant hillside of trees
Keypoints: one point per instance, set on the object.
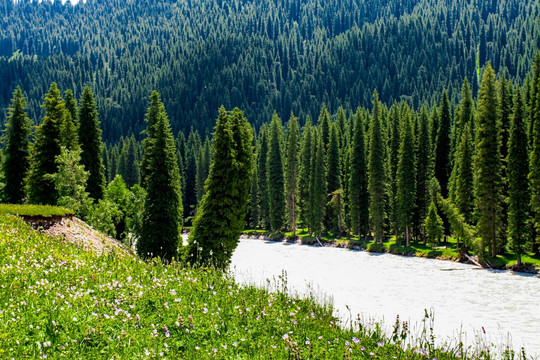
(260, 56)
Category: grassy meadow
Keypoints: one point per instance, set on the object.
(60, 302)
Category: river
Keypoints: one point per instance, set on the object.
(464, 299)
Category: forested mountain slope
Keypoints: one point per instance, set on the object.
(283, 55)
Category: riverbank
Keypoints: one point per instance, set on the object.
(445, 252)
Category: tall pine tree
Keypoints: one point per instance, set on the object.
(488, 163)
(91, 144)
(162, 205)
(442, 146)
(292, 167)
(40, 187)
(220, 218)
(377, 185)
(534, 176)
(274, 171)
(518, 183)
(358, 181)
(16, 140)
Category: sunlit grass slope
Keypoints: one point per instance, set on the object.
(34, 210)
(58, 301)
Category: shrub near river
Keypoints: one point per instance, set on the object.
(58, 301)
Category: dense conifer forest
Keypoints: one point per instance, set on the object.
(260, 56)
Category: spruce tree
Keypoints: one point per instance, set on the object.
(306, 148)
(16, 153)
(393, 158)
(317, 186)
(203, 167)
(324, 123)
(262, 179)
(464, 195)
(377, 182)
(424, 169)
(442, 146)
(333, 179)
(358, 181)
(534, 176)
(518, 183)
(46, 147)
(220, 218)
(406, 179)
(292, 171)
(162, 205)
(69, 126)
(274, 171)
(488, 181)
(91, 144)
(433, 225)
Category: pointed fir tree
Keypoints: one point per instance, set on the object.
(203, 167)
(518, 183)
(306, 148)
(377, 182)
(220, 218)
(262, 179)
(534, 175)
(424, 169)
(275, 179)
(17, 152)
(324, 123)
(317, 186)
(464, 195)
(488, 181)
(393, 158)
(333, 179)
(162, 205)
(434, 225)
(91, 144)
(69, 137)
(442, 146)
(406, 179)
(46, 147)
(292, 171)
(358, 181)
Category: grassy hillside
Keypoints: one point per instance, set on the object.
(58, 301)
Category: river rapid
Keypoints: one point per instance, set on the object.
(475, 304)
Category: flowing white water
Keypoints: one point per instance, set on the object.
(465, 300)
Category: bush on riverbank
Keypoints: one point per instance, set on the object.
(58, 301)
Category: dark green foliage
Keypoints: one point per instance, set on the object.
(434, 225)
(377, 181)
(40, 188)
(304, 198)
(488, 180)
(358, 182)
(274, 173)
(220, 218)
(91, 144)
(69, 127)
(518, 182)
(118, 194)
(406, 178)
(393, 158)
(163, 205)
(464, 194)
(324, 123)
(424, 168)
(292, 169)
(262, 179)
(317, 186)
(16, 153)
(534, 176)
(128, 162)
(203, 167)
(278, 54)
(333, 179)
(442, 146)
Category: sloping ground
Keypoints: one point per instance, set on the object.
(78, 232)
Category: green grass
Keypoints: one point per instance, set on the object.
(58, 301)
(34, 210)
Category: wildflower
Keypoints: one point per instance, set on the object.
(74, 319)
(224, 346)
(380, 343)
(362, 348)
(307, 342)
(347, 343)
(234, 343)
(285, 336)
(197, 348)
(355, 340)
(167, 334)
